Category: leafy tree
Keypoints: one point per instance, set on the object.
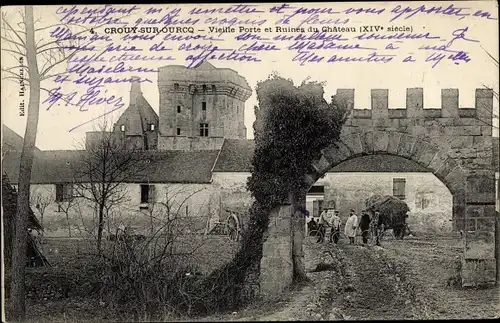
(294, 124)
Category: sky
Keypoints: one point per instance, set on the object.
(476, 36)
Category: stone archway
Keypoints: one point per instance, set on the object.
(403, 145)
(473, 190)
(455, 144)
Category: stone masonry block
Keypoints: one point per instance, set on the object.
(353, 142)
(349, 130)
(428, 154)
(481, 189)
(367, 141)
(363, 123)
(474, 211)
(467, 113)
(437, 161)
(379, 107)
(336, 153)
(461, 141)
(394, 139)
(446, 168)
(463, 131)
(485, 224)
(414, 102)
(361, 114)
(470, 224)
(406, 146)
(380, 141)
(486, 130)
(484, 104)
(455, 180)
(397, 113)
(449, 102)
(322, 165)
(432, 113)
(477, 272)
(480, 244)
(467, 121)
(418, 149)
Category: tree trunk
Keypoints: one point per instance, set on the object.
(100, 228)
(298, 202)
(69, 225)
(19, 246)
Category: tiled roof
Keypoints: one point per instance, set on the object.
(12, 141)
(165, 166)
(236, 156)
(137, 117)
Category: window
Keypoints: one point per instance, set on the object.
(204, 88)
(176, 86)
(187, 210)
(398, 188)
(178, 131)
(213, 88)
(320, 206)
(317, 189)
(178, 109)
(204, 129)
(204, 106)
(122, 127)
(147, 193)
(64, 192)
(317, 208)
(152, 127)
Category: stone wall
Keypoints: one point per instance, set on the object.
(454, 143)
(187, 200)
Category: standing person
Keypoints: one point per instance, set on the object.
(322, 226)
(330, 222)
(364, 224)
(336, 226)
(350, 226)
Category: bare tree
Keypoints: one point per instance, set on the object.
(100, 174)
(41, 202)
(42, 61)
(494, 114)
(65, 206)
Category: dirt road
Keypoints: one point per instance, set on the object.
(400, 280)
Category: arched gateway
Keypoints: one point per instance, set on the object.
(453, 143)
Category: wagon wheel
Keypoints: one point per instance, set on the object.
(233, 227)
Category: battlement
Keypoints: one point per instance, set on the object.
(415, 105)
(203, 79)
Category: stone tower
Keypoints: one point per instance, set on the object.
(201, 106)
(139, 122)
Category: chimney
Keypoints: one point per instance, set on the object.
(135, 91)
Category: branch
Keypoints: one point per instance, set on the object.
(12, 41)
(15, 32)
(13, 51)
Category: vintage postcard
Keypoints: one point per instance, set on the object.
(250, 162)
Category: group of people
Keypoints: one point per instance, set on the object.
(329, 220)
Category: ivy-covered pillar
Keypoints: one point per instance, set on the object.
(276, 265)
